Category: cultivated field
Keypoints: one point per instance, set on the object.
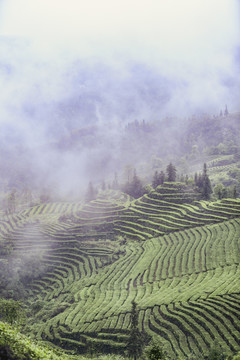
(178, 258)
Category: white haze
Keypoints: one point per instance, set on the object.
(65, 64)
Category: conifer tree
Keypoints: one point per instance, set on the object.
(226, 111)
(171, 172)
(196, 179)
(206, 184)
(155, 181)
(161, 178)
(136, 186)
(158, 179)
(200, 181)
(135, 342)
(234, 192)
(11, 202)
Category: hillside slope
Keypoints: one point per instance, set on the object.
(183, 270)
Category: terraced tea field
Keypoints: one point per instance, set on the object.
(222, 169)
(178, 258)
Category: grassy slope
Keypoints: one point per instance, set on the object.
(183, 271)
(21, 347)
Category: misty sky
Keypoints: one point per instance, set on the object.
(68, 63)
(74, 59)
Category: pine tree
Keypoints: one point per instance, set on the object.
(226, 111)
(11, 206)
(206, 184)
(155, 181)
(161, 178)
(200, 181)
(135, 342)
(171, 172)
(234, 192)
(136, 186)
(196, 179)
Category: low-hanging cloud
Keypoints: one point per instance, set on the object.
(70, 64)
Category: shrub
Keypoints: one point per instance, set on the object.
(155, 352)
(215, 353)
(11, 311)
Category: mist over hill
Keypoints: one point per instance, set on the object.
(83, 121)
(71, 90)
(65, 165)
